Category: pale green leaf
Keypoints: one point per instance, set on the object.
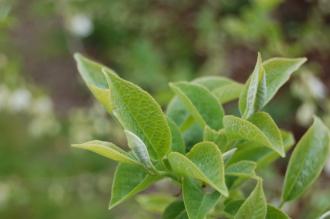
(267, 125)
(178, 144)
(198, 203)
(176, 210)
(218, 137)
(275, 213)
(108, 150)
(278, 71)
(139, 149)
(255, 206)
(91, 72)
(203, 106)
(139, 113)
(242, 168)
(248, 101)
(307, 161)
(156, 202)
(128, 181)
(228, 92)
(213, 82)
(203, 162)
(238, 128)
(260, 154)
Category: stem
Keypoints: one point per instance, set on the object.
(281, 204)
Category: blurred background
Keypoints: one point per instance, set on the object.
(44, 105)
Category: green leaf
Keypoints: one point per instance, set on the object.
(267, 125)
(232, 207)
(139, 113)
(275, 213)
(218, 137)
(128, 181)
(108, 150)
(91, 72)
(278, 71)
(228, 92)
(203, 162)
(176, 210)
(203, 106)
(197, 202)
(177, 111)
(177, 140)
(252, 95)
(307, 161)
(155, 202)
(242, 129)
(213, 82)
(139, 149)
(255, 206)
(260, 154)
(242, 168)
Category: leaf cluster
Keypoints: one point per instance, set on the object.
(207, 152)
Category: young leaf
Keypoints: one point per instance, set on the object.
(177, 140)
(139, 149)
(275, 213)
(197, 202)
(250, 99)
(228, 92)
(267, 125)
(307, 161)
(139, 113)
(203, 106)
(242, 168)
(176, 210)
(155, 202)
(128, 181)
(255, 206)
(278, 71)
(229, 154)
(108, 150)
(238, 128)
(218, 137)
(91, 72)
(203, 162)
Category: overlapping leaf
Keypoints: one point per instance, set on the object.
(267, 125)
(255, 206)
(264, 132)
(128, 181)
(108, 150)
(91, 72)
(139, 113)
(178, 144)
(197, 202)
(203, 162)
(275, 213)
(242, 168)
(255, 91)
(175, 210)
(202, 105)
